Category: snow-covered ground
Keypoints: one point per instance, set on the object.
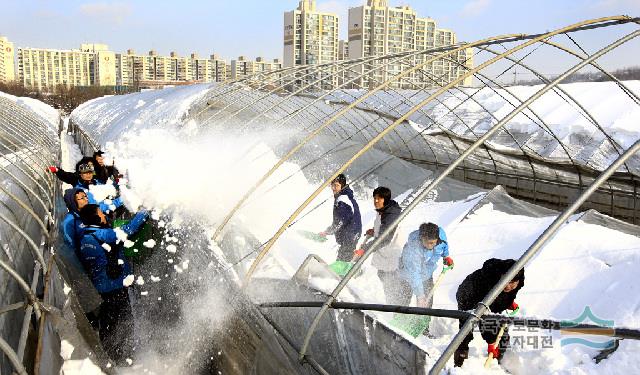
(196, 174)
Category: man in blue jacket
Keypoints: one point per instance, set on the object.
(347, 223)
(102, 255)
(420, 256)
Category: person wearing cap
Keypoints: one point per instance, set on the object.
(347, 223)
(419, 259)
(387, 257)
(72, 227)
(70, 178)
(102, 256)
(104, 172)
(473, 290)
(86, 173)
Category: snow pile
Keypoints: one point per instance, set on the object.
(153, 108)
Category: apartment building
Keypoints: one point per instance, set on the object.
(343, 50)
(7, 58)
(153, 69)
(376, 29)
(310, 37)
(44, 69)
(242, 67)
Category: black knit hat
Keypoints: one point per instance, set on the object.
(341, 179)
(89, 215)
(98, 153)
(384, 193)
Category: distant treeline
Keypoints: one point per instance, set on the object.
(625, 74)
(62, 97)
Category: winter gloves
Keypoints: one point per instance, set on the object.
(447, 261)
(369, 232)
(52, 169)
(494, 349)
(514, 306)
(358, 253)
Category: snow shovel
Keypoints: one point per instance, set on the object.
(138, 239)
(341, 267)
(415, 325)
(487, 363)
(313, 236)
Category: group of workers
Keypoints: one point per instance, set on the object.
(87, 228)
(404, 272)
(408, 271)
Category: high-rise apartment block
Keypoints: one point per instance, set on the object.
(241, 67)
(44, 69)
(343, 50)
(95, 65)
(376, 29)
(310, 37)
(7, 69)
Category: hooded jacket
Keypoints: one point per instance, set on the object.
(418, 263)
(347, 223)
(101, 265)
(72, 227)
(387, 257)
(476, 286)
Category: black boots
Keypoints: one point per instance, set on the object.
(459, 356)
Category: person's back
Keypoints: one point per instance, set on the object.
(477, 285)
(102, 255)
(473, 289)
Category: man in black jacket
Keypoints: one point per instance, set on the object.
(103, 172)
(473, 290)
(70, 178)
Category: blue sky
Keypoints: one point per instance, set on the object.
(254, 28)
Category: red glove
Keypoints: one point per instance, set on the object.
(447, 261)
(514, 306)
(369, 232)
(52, 169)
(493, 349)
(358, 253)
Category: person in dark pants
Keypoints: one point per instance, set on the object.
(419, 260)
(473, 290)
(387, 257)
(102, 255)
(347, 223)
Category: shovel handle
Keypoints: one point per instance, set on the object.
(487, 363)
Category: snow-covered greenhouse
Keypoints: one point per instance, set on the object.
(233, 276)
